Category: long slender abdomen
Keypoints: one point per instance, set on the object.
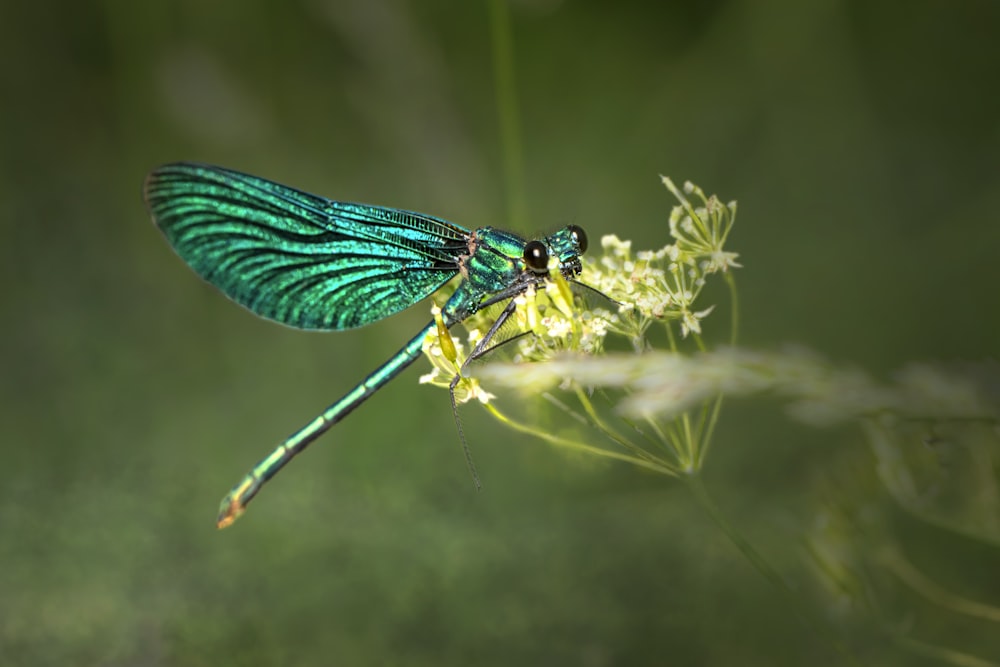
(235, 502)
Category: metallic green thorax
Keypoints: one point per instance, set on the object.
(313, 263)
(496, 268)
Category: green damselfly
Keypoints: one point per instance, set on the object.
(313, 263)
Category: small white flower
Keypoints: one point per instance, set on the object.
(557, 327)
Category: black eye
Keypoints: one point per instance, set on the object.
(579, 236)
(536, 256)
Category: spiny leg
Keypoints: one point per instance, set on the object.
(481, 348)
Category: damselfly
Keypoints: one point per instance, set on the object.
(312, 263)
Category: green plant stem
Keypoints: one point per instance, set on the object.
(670, 338)
(706, 439)
(699, 342)
(688, 443)
(610, 433)
(698, 490)
(658, 430)
(578, 446)
(930, 590)
(506, 94)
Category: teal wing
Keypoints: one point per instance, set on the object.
(296, 258)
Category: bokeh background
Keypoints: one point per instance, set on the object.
(860, 138)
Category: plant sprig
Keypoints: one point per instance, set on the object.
(651, 287)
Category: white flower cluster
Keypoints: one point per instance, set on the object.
(664, 284)
(644, 287)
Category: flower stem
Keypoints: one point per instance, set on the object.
(578, 446)
(506, 92)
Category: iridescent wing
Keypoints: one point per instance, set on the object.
(296, 258)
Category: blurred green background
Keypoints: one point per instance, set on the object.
(860, 138)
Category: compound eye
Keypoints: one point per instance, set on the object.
(536, 256)
(579, 236)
